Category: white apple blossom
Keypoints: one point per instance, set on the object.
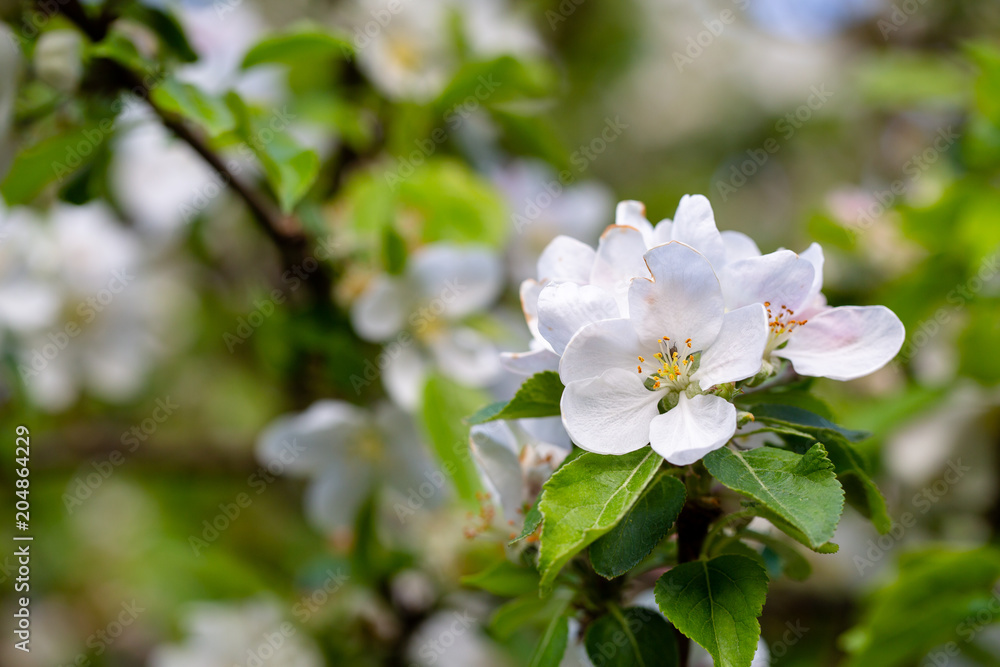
(841, 343)
(344, 450)
(674, 350)
(409, 49)
(515, 458)
(221, 635)
(80, 309)
(421, 313)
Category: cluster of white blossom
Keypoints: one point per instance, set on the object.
(651, 331)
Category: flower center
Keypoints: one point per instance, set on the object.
(670, 368)
(781, 324)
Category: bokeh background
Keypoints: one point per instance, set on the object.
(160, 336)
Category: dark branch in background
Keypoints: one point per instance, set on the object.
(283, 230)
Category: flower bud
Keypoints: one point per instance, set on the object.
(58, 59)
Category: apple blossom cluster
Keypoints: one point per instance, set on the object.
(657, 329)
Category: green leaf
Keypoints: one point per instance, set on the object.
(538, 397)
(642, 528)
(490, 82)
(444, 403)
(551, 647)
(802, 489)
(165, 24)
(716, 603)
(788, 529)
(633, 637)
(939, 596)
(305, 41)
(852, 471)
(585, 499)
(195, 105)
(804, 420)
(504, 578)
(527, 611)
(52, 160)
(793, 564)
(532, 519)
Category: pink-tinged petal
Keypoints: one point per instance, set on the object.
(529, 363)
(381, 310)
(565, 308)
(693, 428)
(609, 414)
(618, 261)
(603, 345)
(633, 214)
(566, 259)
(694, 225)
(845, 343)
(738, 351)
(814, 255)
(530, 290)
(781, 278)
(739, 246)
(684, 299)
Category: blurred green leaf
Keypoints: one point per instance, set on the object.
(504, 578)
(193, 104)
(552, 646)
(166, 25)
(52, 160)
(444, 404)
(936, 598)
(304, 41)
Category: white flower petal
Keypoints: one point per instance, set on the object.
(739, 246)
(684, 299)
(548, 431)
(738, 351)
(565, 308)
(466, 356)
(496, 453)
(662, 233)
(529, 363)
(530, 289)
(603, 345)
(630, 213)
(692, 429)
(814, 255)
(694, 225)
(781, 278)
(456, 280)
(381, 310)
(609, 414)
(618, 261)
(845, 343)
(566, 259)
(311, 441)
(332, 500)
(404, 377)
